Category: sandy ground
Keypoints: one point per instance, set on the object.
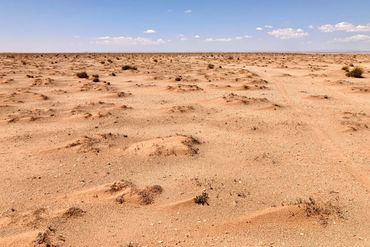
(280, 144)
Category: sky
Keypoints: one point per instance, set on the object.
(184, 25)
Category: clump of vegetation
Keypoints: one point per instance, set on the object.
(82, 75)
(323, 211)
(95, 78)
(211, 66)
(113, 74)
(118, 186)
(346, 68)
(202, 199)
(178, 78)
(356, 73)
(129, 67)
(74, 212)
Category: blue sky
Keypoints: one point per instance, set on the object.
(179, 25)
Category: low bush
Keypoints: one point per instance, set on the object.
(82, 75)
(356, 73)
(129, 67)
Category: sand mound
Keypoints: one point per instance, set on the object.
(302, 212)
(94, 143)
(30, 115)
(99, 87)
(122, 192)
(132, 194)
(181, 109)
(182, 88)
(234, 99)
(85, 144)
(286, 214)
(355, 121)
(165, 146)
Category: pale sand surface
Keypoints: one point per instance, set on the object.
(279, 142)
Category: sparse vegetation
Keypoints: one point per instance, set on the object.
(202, 199)
(74, 212)
(324, 211)
(178, 78)
(345, 68)
(211, 66)
(356, 73)
(129, 67)
(82, 75)
(95, 78)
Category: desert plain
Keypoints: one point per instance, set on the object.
(244, 149)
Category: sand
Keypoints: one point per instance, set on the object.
(274, 147)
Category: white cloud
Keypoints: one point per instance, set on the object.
(128, 41)
(196, 37)
(354, 38)
(345, 27)
(259, 28)
(188, 11)
(227, 39)
(182, 37)
(150, 31)
(219, 39)
(268, 26)
(311, 27)
(288, 33)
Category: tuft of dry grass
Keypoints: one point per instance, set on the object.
(324, 211)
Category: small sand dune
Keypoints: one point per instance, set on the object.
(165, 146)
